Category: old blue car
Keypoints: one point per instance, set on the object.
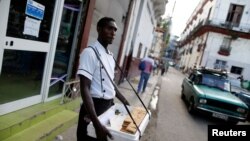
(209, 91)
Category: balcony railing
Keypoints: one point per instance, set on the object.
(224, 50)
(242, 27)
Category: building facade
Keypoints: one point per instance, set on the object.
(158, 43)
(217, 35)
(141, 32)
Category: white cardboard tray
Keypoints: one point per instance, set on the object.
(114, 123)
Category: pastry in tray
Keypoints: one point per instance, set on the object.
(138, 115)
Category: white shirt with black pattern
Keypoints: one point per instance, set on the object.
(90, 67)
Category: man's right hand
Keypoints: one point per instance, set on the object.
(102, 133)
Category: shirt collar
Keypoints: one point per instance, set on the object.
(101, 48)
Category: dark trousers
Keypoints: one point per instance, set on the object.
(163, 71)
(101, 105)
(143, 82)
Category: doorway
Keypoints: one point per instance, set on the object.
(66, 45)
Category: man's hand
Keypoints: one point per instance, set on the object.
(102, 133)
(121, 97)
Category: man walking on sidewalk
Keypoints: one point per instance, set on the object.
(145, 74)
(97, 90)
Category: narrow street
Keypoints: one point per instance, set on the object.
(171, 121)
(174, 122)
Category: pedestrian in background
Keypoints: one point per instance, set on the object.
(145, 74)
(164, 67)
(155, 68)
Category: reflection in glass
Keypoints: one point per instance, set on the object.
(64, 47)
(17, 18)
(21, 75)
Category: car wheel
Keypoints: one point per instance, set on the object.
(182, 94)
(191, 106)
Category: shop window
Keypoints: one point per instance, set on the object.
(30, 25)
(21, 75)
(236, 70)
(234, 15)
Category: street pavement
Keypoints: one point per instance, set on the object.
(127, 91)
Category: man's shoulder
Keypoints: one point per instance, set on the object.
(88, 50)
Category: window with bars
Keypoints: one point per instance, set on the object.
(220, 64)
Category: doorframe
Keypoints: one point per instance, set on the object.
(51, 54)
(76, 38)
(3, 23)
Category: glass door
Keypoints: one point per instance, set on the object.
(25, 31)
(65, 45)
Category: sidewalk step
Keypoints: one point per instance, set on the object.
(48, 128)
(18, 121)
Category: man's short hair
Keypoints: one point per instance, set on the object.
(103, 21)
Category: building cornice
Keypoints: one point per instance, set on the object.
(202, 29)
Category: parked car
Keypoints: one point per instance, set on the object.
(208, 91)
(237, 90)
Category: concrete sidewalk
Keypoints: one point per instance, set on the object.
(127, 91)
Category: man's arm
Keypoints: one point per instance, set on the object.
(101, 131)
(121, 97)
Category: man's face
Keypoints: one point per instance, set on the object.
(107, 33)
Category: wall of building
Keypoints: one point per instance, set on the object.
(222, 8)
(190, 59)
(192, 22)
(158, 44)
(239, 55)
(145, 30)
(131, 29)
(109, 8)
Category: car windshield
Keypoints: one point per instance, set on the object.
(215, 81)
(235, 82)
